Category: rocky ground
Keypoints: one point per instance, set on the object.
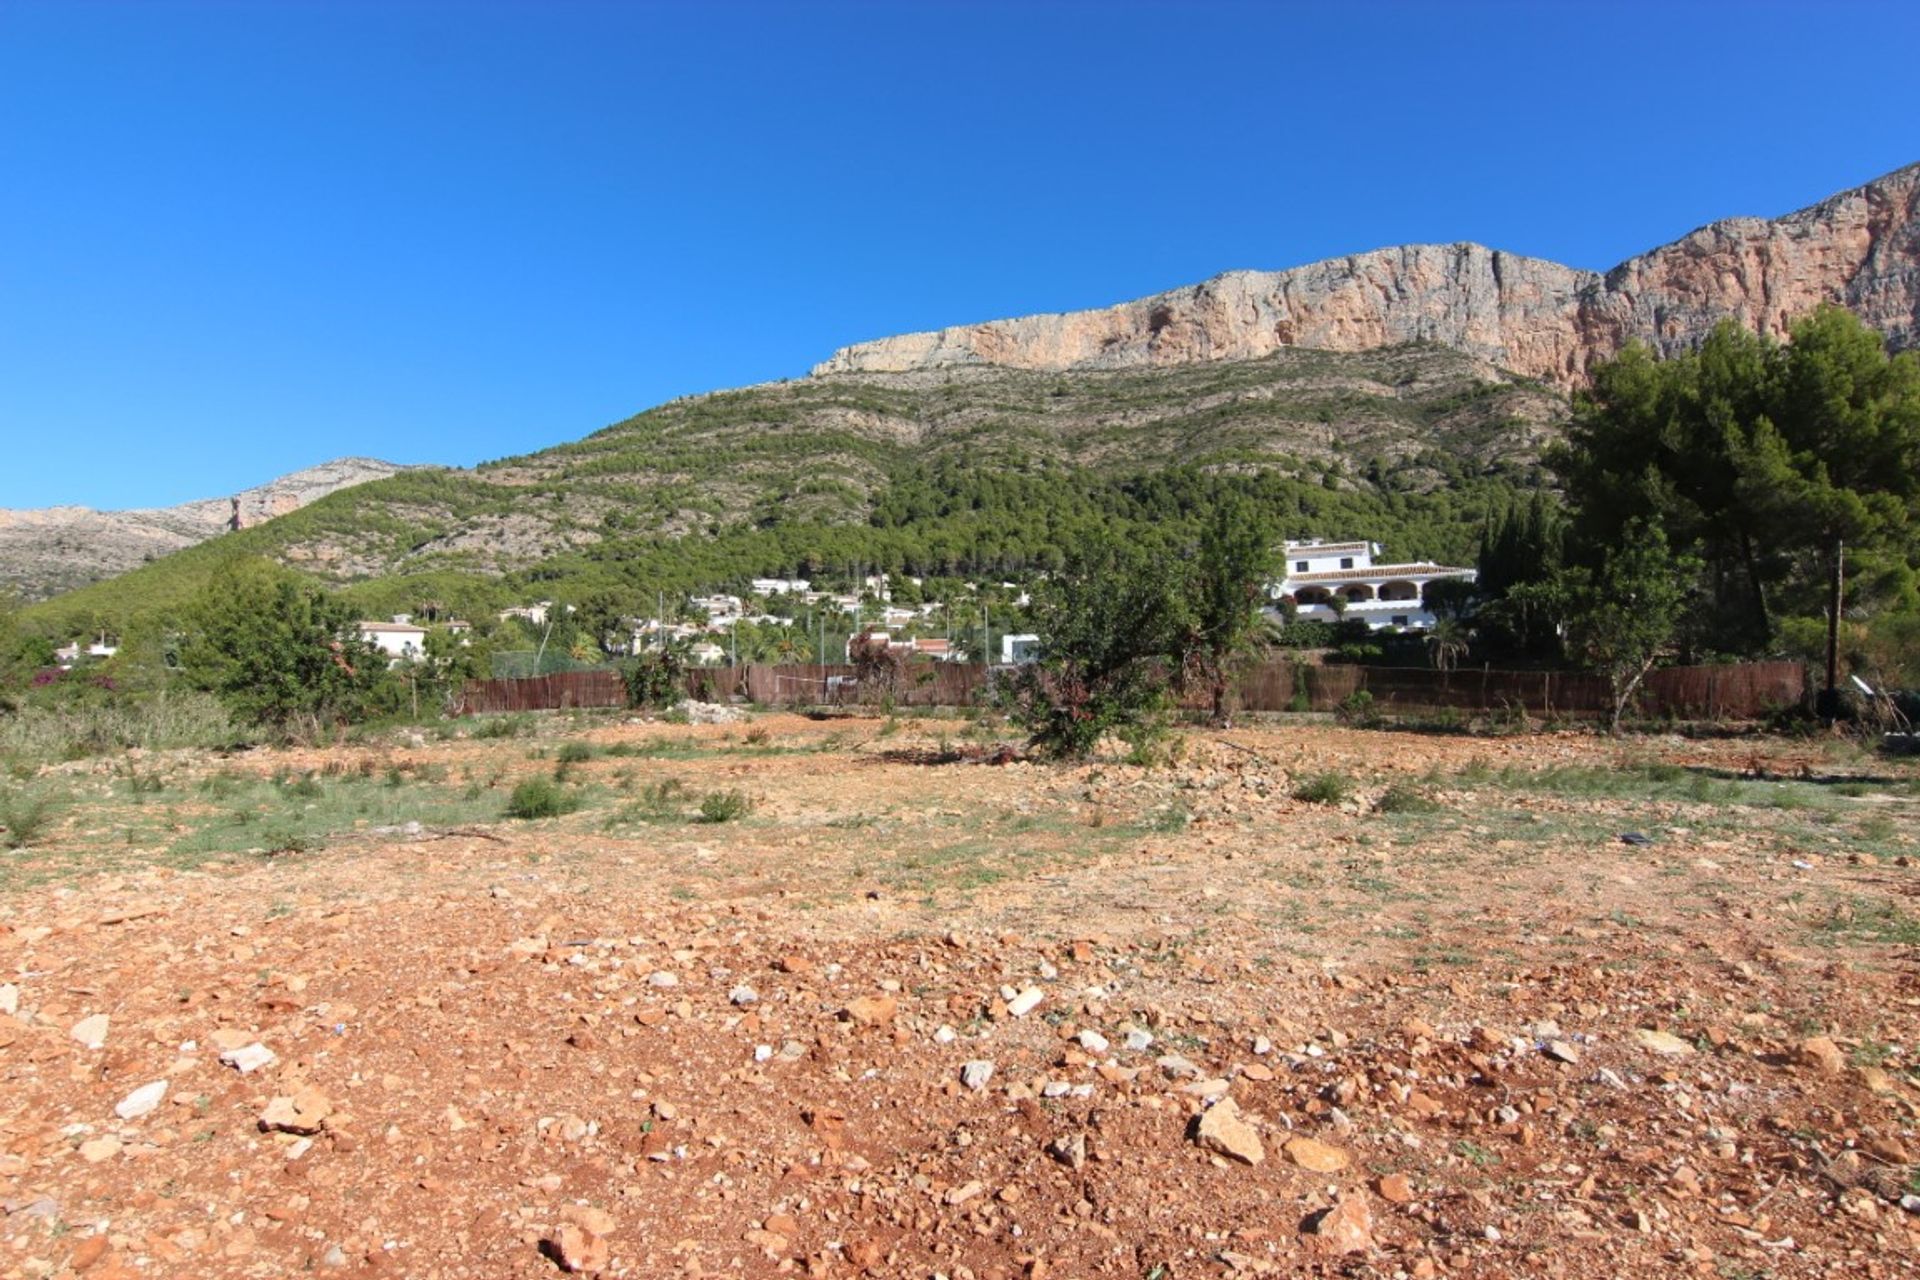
(921, 1014)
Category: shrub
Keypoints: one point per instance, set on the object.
(541, 798)
(25, 817)
(655, 679)
(575, 753)
(1323, 788)
(725, 806)
(1402, 797)
(502, 727)
(1357, 709)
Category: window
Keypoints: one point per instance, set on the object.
(1300, 566)
(1400, 619)
(1346, 562)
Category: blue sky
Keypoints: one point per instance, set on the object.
(240, 238)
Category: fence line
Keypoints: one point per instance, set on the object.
(1745, 691)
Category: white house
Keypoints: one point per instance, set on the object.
(532, 613)
(1019, 648)
(706, 654)
(780, 586)
(1381, 595)
(398, 639)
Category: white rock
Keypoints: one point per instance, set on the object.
(1139, 1041)
(975, 1074)
(662, 978)
(1093, 1042)
(1026, 1002)
(9, 999)
(141, 1101)
(743, 995)
(91, 1031)
(762, 1052)
(945, 1035)
(248, 1058)
(1262, 1046)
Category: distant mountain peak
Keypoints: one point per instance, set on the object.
(52, 549)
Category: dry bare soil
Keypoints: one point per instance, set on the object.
(1449, 1024)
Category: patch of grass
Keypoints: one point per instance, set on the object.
(575, 753)
(1324, 788)
(725, 806)
(1403, 797)
(504, 727)
(25, 816)
(1882, 923)
(1475, 1154)
(541, 798)
(659, 802)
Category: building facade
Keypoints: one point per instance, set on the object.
(1328, 581)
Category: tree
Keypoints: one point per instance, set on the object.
(1106, 619)
(1447, 642)
(1763, 460)
(279, 650)
(1624, 615)
(1234, 557)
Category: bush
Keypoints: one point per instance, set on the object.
(1323, 788)
(725, 806)
(1404, 798)
(25, 816)
(1357, 709)
(655, 679)
(541, 798)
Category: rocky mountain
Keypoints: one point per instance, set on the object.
(1398, 395)
(53, 549)
(1860, 249)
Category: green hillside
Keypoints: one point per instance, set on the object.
(962, 471)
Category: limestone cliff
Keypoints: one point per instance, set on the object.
(1860, 248)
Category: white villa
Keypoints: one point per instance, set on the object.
(397, 639)
(1383, 595)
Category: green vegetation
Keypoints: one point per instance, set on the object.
(24, 816)
(725, 806)
(981, 473)
(541, 798)
(1324, 788)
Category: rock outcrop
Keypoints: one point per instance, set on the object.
(1860, 248)
(52, 549)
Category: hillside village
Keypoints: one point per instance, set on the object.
(788, 619)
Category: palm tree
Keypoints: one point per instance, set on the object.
(1447, 642)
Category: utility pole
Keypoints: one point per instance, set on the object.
(1830, 697)
(986, 634)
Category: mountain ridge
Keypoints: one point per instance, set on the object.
(46, 550)
(1859, 248)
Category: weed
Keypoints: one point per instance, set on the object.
(1171, 820)
(286, 840)
(503, 727)
(758, 736)
(1403, 797)
(575, 753)
(25, 815)
(541, 798)
(305, 787)
(1324, 788)
(725, 806)
(1475, 1154)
